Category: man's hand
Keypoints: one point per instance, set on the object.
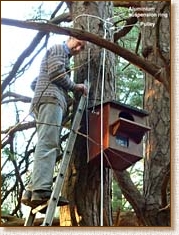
(81, 88)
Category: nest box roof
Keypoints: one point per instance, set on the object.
(119, 105)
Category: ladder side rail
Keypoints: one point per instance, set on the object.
(64, 164)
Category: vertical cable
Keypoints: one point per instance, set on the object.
(102, 163)
(87, 102)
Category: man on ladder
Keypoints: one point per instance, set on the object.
(48, 106)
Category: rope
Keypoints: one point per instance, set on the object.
(87, 101)
(102, 144)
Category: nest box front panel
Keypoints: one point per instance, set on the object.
(123, 151)
(123, 131)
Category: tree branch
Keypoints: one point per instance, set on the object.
(126, 4)
(12, 130)
(126, 29)
(10, 220)
(158, 73)
(21, 127)
(17, 97)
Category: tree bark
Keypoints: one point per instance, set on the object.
(157, 102)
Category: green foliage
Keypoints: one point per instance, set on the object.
(5, 210)
(118, 199)
(116, 196)
(129, 79)
(129, 84)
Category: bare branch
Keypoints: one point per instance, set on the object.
(57, 9)
(17, 97)
(12, 130)
(20, 127)
(126, 4)
(126, 29)
(10, 220)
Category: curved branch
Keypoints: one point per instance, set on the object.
(126, 29)
(12, 130)
(17, 97)
(21, 58)
(20, 127)
(157, 72)
(16, 100)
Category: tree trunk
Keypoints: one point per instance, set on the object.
(157, 102)
(84, 178)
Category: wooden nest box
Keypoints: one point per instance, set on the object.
(123, 131)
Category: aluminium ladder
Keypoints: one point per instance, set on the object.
(53, 201)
